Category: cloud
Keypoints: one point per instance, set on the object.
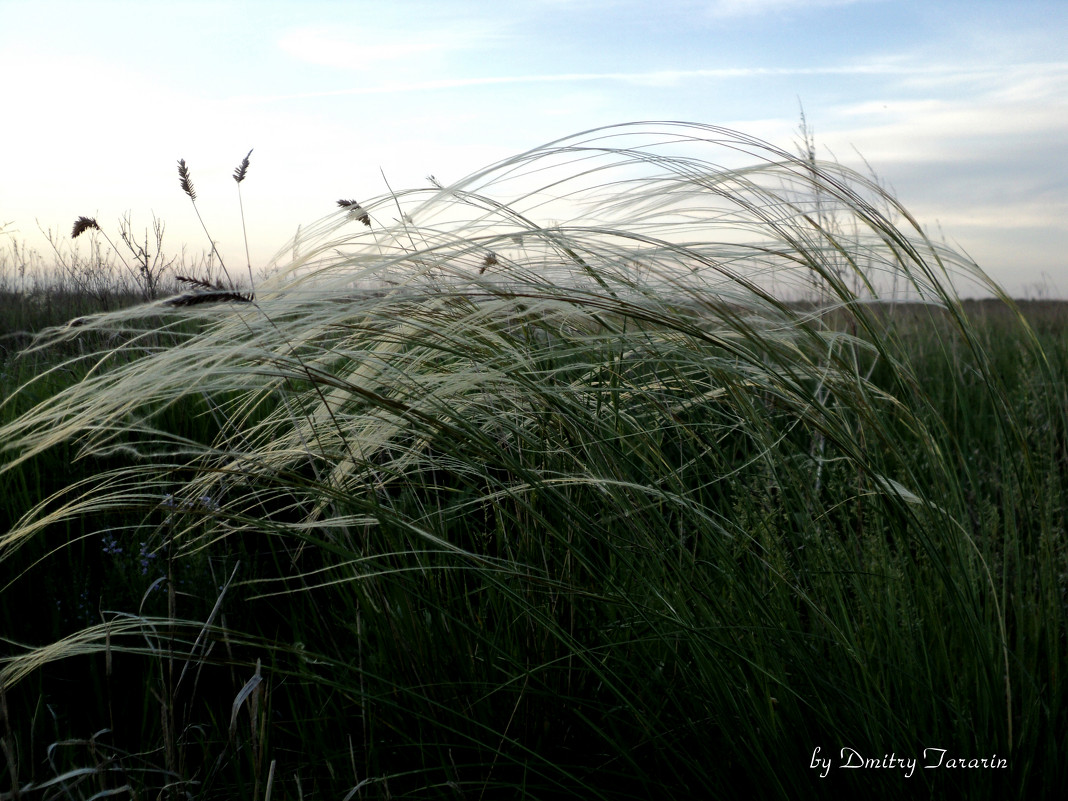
(755, 8)
(998, 111)
(655, 78)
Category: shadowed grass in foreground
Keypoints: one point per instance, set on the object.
(545, 485)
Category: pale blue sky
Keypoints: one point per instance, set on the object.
(962, 107)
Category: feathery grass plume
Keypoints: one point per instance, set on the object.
(553, 530)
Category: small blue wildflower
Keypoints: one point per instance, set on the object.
(146, 557)
(111, 545)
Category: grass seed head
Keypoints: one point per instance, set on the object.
(489, 261)
(242, 168)
(356, 211)
(206, 292)
(199, 283)
(83, 224)
(184, 180)
(198, 298)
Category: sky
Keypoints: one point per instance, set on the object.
(959, 106)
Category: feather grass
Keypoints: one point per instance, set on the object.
(572, 524)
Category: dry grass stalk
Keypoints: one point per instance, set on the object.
(83, 224)
(187, 186)
(239, 176)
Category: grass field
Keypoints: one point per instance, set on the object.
(604, 473)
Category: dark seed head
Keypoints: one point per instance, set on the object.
(356, 211)
(184, 180)
(81, 225)
(242, 168)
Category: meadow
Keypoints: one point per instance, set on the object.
(606, 472)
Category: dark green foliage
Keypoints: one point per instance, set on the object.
(709, 653)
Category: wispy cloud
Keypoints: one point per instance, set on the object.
(1022, 103)
(752, 8)
(650, 78)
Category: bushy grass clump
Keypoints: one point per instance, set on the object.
(606, 472)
